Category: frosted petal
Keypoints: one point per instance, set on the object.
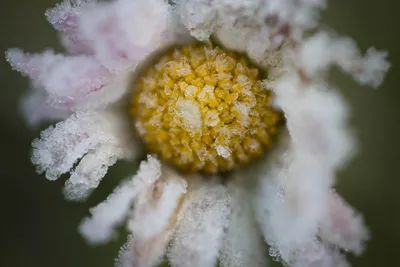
(59, 147)
(345, 227)
(125, 32)
(37, 110)
(243, 245)
(316, 254)
(89, 172)
(199, 17)
(292, 201)
(154, 219)
(72, 83)
(64, 18)
(199, 235)
(322, 50)
(35, 66)
(316, 119)
(99, 228)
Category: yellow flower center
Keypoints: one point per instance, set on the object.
(203, 109)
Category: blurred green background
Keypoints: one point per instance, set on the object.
(38, 228)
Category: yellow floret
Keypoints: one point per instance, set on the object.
(204, 110)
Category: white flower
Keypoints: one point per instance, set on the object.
(287, 199)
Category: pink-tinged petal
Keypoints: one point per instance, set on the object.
(35, 66)
(125, 32)
(345, 227)
(72, 83)
(37, 110)
(64, 18)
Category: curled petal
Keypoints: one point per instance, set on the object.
(60, 147)
(154, 219)
(89, 172)
(99, 228)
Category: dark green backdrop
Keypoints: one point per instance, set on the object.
(38, 228)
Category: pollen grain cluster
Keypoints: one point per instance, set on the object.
(203, 109)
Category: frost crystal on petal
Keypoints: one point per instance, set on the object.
(64, 18)
(199, 16)
(243, 245)
(98, 137)
(99, 228)
(125, 32)
(322, 50)
(154, 219)
(92, 86)
(344, 227)
(199, 235)
(37, 110)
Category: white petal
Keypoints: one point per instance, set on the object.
(344, 228)
(61, 146)
(154, 219)
(72, 83)
(199, 17)
(103, 135)
(292, 201)
(89, 172)
(317, 119)
(322, 50)
(35, 66)
(315, 254)
(64, 17)
(243, 245)
(125, 32)
(106, 216)
(124, 258)
(37, 110)
(199, 235)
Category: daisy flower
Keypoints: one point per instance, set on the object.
(228, 105)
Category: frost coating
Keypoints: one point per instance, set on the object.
(36, 109)
(154, 219)
(198, 16)
(243, 245)
(322, 50)
(199, 235)
(98, 137)
(68, 89)
(345, 227)
(305, 223)
(64, 18)
(99, 228)
(116, 30)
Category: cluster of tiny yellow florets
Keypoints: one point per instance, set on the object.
(204, 109)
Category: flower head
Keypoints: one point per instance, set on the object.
(221, 176)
